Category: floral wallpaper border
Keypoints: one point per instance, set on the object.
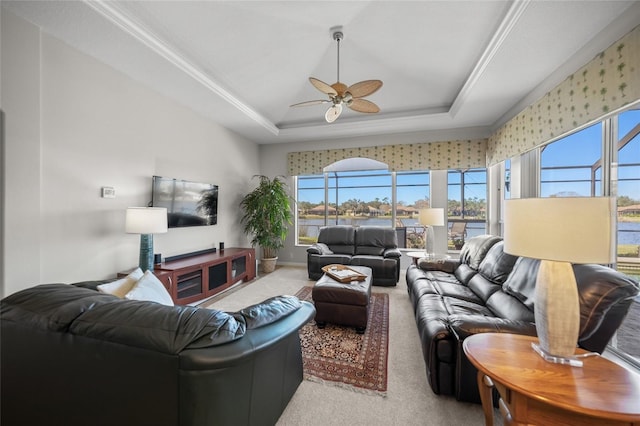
(608, 82)
(459, 154)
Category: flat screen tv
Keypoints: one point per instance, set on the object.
(187, 203)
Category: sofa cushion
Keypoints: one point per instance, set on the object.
(122, 286)
(497, 264)
(521, 282)
(505, 306)
(166, 329)
(475, 249)
(373, 240)
(51, 307)
(493, 271)
(150, 288)
(339, 238)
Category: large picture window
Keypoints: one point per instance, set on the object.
(575, 166)
(467, 205)
(627, 340)
(354, 198)
(382, 198)
(571, 166)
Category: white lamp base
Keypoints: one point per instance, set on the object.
(428, 241)
(557, 311)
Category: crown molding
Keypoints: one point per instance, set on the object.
(118, 17)
(508, 23)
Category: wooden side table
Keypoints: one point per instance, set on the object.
(533, 391)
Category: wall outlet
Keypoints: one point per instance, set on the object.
(108, 192)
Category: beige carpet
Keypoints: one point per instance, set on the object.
(409, 399)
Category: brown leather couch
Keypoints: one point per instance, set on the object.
(73, 356)
(488, 290)
(373, 246)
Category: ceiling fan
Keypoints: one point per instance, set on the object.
(340, 94)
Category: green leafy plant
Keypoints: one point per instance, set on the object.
(267, 214)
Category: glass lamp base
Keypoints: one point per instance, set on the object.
(574, 361)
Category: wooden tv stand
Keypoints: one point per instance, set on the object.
(193, 278)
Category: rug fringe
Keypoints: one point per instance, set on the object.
(346, 386)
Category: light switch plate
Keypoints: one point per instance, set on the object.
(108, 192)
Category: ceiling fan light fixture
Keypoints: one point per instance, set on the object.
(333, 113)
(341, 94)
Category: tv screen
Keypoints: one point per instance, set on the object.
(187, 203)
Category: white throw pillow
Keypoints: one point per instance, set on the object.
(150, 288)
(122, 286)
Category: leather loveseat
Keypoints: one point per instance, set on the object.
(488, 290)
(372, 246)
(74, 356)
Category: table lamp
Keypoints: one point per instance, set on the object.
(559, 232)
(429, 218)
(146, 221)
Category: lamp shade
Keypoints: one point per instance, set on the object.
(146, 220)
(432, 217)
(571, 229)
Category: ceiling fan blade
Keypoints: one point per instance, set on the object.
(363, 105)
(309, 103)
(364, 88)
(323, 87)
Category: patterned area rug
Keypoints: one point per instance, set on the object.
(341, 357)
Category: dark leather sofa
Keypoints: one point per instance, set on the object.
(488, 290)
(73, 356)
(372, 246)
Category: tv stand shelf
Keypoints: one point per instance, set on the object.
(193, 278)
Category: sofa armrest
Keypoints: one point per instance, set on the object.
(319, 248)
(255, 340)
(269, 311)
(392, 253)
(464, 326)
(446, 265)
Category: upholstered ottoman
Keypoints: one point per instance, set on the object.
(343, 303)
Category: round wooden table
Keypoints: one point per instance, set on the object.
(534, 391)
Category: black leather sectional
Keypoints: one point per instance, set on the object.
(372, 246)
(488, 290)
(74, 356)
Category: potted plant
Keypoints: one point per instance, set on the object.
(267, 216)
(458, 242)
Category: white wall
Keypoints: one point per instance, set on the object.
(87, 126)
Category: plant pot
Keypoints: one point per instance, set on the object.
(269, 265)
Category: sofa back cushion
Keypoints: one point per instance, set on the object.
(493, 271)
(497, 265)
(340, 239)
(166, 329)
(521, 283)
(517, 296)
(51, 307)
(373, 240)
(475, 249)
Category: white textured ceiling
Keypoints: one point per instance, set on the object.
(444, 64)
